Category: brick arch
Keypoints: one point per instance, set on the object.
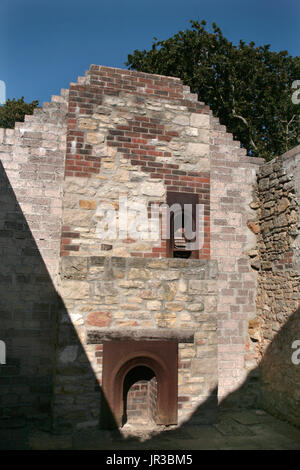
(120, 357)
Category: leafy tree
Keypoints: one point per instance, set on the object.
(249, 88)
(15, 110)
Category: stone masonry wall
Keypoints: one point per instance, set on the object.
(126, 294)
(32, 169)
(277, 324)
(140, 136)
(122, 133)
(233, 175)
(136, 135)
(33, 158)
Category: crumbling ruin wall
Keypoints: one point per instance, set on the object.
(140, 136)
(277, 324)
(119, 132)
(137, 136)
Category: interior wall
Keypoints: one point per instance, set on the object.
(277, 325)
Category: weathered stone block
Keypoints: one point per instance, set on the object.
(136, 273)
(153, 189)
(154, 305)
(211, 304)
(253, 227)
(131, 284)
(87, 204)
(167, 291)
(87, 123)
(200, 120)
(166, 320)
(205, 366)
(197, 307)
(197, 149)
(174, 306)
(74, 290)
(167, 276)
(95, 138)
(197, 286)
(100, 318)
(76, 218)
(74, 267)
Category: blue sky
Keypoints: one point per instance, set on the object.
(46, 44)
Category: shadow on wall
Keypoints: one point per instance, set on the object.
(280, 372)
(275, 384)
(30, 312)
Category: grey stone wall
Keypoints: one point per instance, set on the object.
(277, 324)
(31, 173)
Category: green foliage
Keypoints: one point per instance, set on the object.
(249, 88)
(15, 110)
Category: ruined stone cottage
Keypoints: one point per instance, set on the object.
(104, 323)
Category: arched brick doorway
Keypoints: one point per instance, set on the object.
(121, 357)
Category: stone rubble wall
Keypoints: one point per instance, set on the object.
(277, 324)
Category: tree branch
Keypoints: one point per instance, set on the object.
(246, 123)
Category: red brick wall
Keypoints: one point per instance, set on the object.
(133, 141)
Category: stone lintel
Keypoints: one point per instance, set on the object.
(167, 334)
